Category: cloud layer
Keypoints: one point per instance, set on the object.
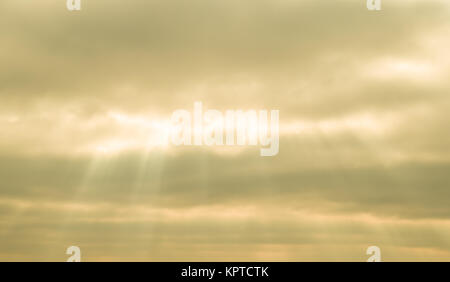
(364, 154)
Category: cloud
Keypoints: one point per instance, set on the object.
(363, 100)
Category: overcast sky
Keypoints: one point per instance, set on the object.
(364, 101)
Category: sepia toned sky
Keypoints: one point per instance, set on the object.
(364, 159)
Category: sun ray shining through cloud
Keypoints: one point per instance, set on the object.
(87, 156)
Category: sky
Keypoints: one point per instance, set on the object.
(364, 155)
